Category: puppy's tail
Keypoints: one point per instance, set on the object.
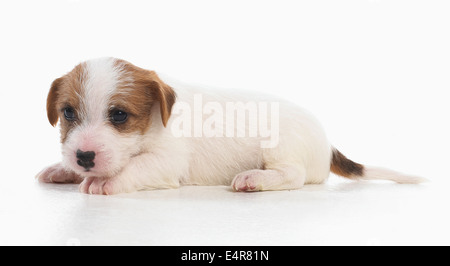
(342, 166)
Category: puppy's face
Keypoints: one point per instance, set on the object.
(105, 108)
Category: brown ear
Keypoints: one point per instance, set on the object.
(165, 95)
(52, 112)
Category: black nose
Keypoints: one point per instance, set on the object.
(86, 159)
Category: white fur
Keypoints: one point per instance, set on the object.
(302, 156)
(101, 78)
(215, 161)
(159, 159)
(378, 173)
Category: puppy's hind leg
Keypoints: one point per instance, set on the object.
(286, 177)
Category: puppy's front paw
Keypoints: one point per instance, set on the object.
(100, 186)
(248, 181)
(58, 174)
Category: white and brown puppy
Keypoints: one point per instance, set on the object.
(117, 135)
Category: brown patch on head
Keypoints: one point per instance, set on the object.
(137, 92)
(64, 93)
(342, 166)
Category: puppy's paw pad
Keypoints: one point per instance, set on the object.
(247, 181)
(57, 174)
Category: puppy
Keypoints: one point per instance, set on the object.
(124, 128)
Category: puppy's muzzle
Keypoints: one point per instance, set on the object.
(86, 159)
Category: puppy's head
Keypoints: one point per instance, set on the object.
(105, 107)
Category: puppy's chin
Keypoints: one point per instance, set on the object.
(94, 172)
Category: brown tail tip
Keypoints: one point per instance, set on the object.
(342, 166)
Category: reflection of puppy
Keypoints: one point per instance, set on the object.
(115, 123)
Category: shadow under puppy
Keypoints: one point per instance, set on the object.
(120, 132)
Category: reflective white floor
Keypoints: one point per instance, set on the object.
(340, 212)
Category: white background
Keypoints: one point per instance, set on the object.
(375, 73)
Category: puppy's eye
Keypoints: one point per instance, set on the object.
(69, 114)
(118, 116)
